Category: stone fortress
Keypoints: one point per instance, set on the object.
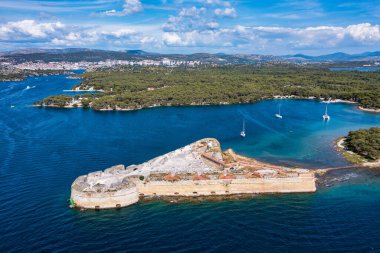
(198, 169)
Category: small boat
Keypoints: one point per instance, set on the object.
(278, 115)
(242, 133)
(30, 87)
(325, 116)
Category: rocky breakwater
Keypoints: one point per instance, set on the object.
(198, 169)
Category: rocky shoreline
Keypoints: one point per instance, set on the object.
(135, 108)
(353, 157)
(369, 109)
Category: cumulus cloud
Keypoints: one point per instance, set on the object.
(123, 32)
(322, 36)
(364, 32)
(188, 19)
(216, 2)
(99, 36)
(59, 34)
(193, 27)
(172, 38)
(277, 38)
(129, 7)
(29, 29)
(205, 38)
(227, 12)
(212, 25)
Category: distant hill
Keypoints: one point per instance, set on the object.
(92, 55)
(139, 52)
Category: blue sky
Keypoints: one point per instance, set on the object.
(179, 26)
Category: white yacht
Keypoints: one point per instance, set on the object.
(278, 115)
(325, 116)
(242, 133)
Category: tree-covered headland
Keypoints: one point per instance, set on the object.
(364, 142)
(142, 87)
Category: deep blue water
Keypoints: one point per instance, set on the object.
(43, 150)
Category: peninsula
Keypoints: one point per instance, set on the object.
(138, 87)
(198, 169)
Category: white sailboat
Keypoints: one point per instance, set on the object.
(325, 116)
(242, 133)
(278, 115)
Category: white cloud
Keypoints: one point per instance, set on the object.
(110, 12)
(123, 32)
(172, 38)
(191, 12)
(201, 18)
(129, 7)
(28, 29)
(272, 39)
(192, 28)
(59, 34)
(188, 19)
(364, 32)
(205, 38)
(213, 25)
(227, 12)
(216, 2)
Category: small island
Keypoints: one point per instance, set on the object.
(198, 169)
(361, 147)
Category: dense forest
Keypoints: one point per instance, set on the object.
(365, 142)
(140, 87)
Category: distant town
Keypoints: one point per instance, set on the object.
(17, 65)
(77, 58)
(40, 65)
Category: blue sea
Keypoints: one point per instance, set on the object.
(43, 150)
(360, 69)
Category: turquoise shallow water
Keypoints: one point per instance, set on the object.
(43, 150)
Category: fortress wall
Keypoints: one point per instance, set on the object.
(304, 183)
(105, 200)
(128, 196)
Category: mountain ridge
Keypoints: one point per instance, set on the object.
(87, 54)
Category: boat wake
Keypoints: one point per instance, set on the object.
(29, 87)
(248, 117)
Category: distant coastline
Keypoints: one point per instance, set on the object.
(23, 74)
